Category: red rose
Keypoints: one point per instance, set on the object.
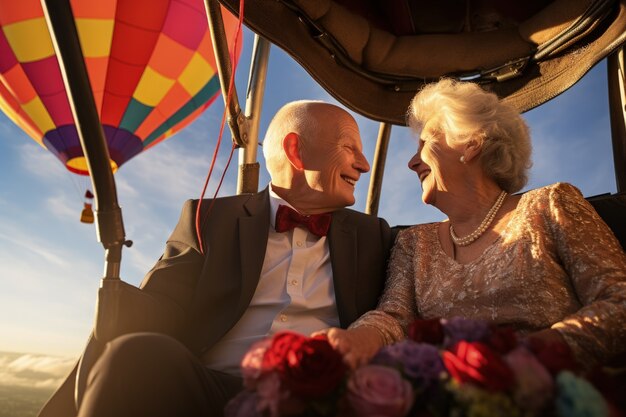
(475, 363)
(555, 356)
(502, 339)
(426, 331)
(309, 367)
(282, 343)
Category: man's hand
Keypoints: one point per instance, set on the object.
(357, 346)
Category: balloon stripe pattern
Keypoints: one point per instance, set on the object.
(150, 63)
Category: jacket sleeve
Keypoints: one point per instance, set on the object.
(173, 278)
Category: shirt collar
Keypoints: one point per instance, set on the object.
(276, 201)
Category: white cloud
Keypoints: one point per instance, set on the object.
(49, 284)
(54, 366)
(62, 207)
(124, 188)
(172, 173)
(41, 163)
(28, 243)
(30, 370)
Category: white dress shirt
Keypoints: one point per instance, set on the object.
(295, 292)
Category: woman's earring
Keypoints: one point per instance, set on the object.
(462, 159)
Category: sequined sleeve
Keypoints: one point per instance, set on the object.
(596, 265)
(396, 308)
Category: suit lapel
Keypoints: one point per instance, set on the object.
(343, 255)
(253, 234)
(232, 277)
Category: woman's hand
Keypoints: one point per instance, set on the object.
(357, 345)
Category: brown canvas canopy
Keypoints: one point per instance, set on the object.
(373, 55)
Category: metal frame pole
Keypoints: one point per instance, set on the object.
(617, 109)
(378, 169)
(248, 179)
(108, 215)
(236, 120)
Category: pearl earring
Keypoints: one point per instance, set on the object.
(462, 159)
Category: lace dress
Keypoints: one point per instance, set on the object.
(555, 265)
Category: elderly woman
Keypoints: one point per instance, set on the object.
(543, 262)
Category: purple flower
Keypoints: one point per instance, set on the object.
(244, 404)
(534, 386)
(457, 329)
(270, 394)
(419, 361)
(379, 391)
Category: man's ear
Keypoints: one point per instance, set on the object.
(472, 149)
(291, 146)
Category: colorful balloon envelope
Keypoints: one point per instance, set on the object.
(150, 64)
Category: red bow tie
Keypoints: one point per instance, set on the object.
(287, 218)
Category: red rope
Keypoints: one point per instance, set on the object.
(235, 60)
(230, 157)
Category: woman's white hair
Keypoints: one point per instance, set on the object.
(463, 111)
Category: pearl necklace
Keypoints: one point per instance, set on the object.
(482, 228)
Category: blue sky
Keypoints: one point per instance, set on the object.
(51, 264)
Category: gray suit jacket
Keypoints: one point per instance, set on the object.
(202, 296)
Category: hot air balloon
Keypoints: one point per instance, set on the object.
(150, 63)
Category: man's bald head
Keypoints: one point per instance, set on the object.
(303, 118)
(313, 153)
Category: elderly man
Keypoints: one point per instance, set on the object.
(289, 258)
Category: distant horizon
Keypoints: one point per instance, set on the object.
(20, 401)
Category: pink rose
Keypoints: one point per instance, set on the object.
(270, 394)
(534, 386)
(252, 363)
(274, 399)
(375, 390)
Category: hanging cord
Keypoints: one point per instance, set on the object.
(235, 61)
(79, 186)
(219, 185)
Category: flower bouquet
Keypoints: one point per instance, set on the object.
(446, 368)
